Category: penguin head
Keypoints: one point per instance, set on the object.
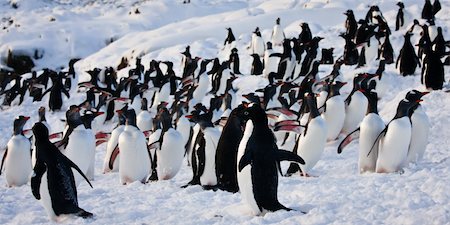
(40, 131)
(348, 12)
(312, 104)
(41, 113)
(131, 117)
(269, 45)
(404, 107)
(144, 104)
(278, 21)
(255, 113)
(202, 119)
(401, 5)
(19, 122)
(73, 116)
(415, 95)
(163, 119)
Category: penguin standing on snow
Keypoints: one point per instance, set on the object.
(395, 140)
(407, 60)
(350, 24)
(53, 182)
(259, 159)
(257, 43)
(420, 127)
(351, 54)
(17, 158)
(257, 65)
(134, 162)
(400, 18)
(227, 148)
(334, 111)
(234, 61)
(278, 34)
(111, 161)
(427, 10)
(355, 105)
(55, 100)
(433, 69)
(144, 119)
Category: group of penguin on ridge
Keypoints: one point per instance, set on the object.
(232, 146)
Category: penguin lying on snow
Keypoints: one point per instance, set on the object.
(259, 159)
(53, 182)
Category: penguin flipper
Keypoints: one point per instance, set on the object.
(276, 55)
(245, 160)
(283, 155)
(349, 138)
(378, 139)
(39, 170)
(113, 157)
(3, 160)
(73, 165)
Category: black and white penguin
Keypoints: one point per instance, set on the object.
(53, 181)
(407, 60)
(427, 10)
(257, 65)
(42, 119)
(257, 45)
(258, 163)
(144, 120)
(270, 63)
(400, 18)
(433, 74)
(420, 127)
(277, 33)
(112, 159)
(386, 52)
(234, 61)
(395, 140)
(230, 37)
(351, 54)
(227, 148)
(135, 163)
(334, 111)
(55, 101)
(355, 105)
(350, 24)
(16, 159)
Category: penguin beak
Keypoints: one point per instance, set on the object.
(122, 99)
(189, 116)
(272, 116)
(26, 118)
(102, 135)
(55, 135)
(119, 111)
(362, 90)
(99, 113)
(425, 93)
(419, 101)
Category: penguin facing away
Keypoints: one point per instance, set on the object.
(16, 159)
(53, 182)
(258, 165)
(407, 59)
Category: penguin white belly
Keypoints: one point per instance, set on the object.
(419, 135)
(18, 161)
(258, 46)
(370, 128)
(322, 98)
(45, 200)
(202, 89)
(334, 116)
(371, 51)
(311, 145)
(112, 143)
(170, 156)
(223, 82)
(290, 67)
(270, 63)
(355, 112)
(277, 35)
(144, 121)
(184, 127)
(432, 31)
(81, 150)
(211, 135)
(394, 146)
(245, 177)
(195, 131)
(134, 160)
(163, 95)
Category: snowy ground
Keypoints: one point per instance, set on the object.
(338, 195)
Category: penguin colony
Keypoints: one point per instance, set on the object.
(164, 118)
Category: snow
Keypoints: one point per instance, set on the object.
(337, 195)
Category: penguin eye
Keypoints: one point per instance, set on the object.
(246, 113)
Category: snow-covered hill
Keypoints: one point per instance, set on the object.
(102, 32)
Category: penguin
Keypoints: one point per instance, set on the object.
(257, 65)
(204, 156)
(277, 33)
(420, 127)
(395, 140)
(386, 52)
(169, 150)
(350, 24)
(112, 158)
(258, 163)
(427, 10)
(311, 142)
(334, 111)
(42, 119)
(144, 118)
(53, 181)
(135, 160)
(355, 105)
(439, 43)
(407, 60)
(270, 63)
(16, 159)
(234, 61)
(55, 100)
(371, 126)
(230, 37)
(351, 54)
(433, 74)
(400, 18)
(257, 45)
(79, 143)
(227, 148)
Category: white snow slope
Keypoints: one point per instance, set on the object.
(337, 195)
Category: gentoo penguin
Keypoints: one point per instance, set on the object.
(234, 61)
(433, 74)
(204, 155)
(55, 100)
(420, 127)
(112, 159)
(334, 111)
(351, 54)
(230, 37)
(270, 63)
(17, 158)
(439, 43)
(350, 24)
(407, 59)
(144, 120)
(386, 52)
(427, 10)
(53, 182)
(400, 18)
(258, 163)
(227, 148)
(371, 126)
(311, 142)
(257, 44)
(355, 105)
(42, 119)
(395, 140)
(167, 143)
(257, 65)
(134, 162)
(79, 143)
(278, 33)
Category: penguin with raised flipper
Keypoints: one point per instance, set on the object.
(258, 163)
(53, 181)
(16, 159)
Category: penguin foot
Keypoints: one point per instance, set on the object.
(192, 182)
(307, 175)
(84, 214)
(210, 187)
